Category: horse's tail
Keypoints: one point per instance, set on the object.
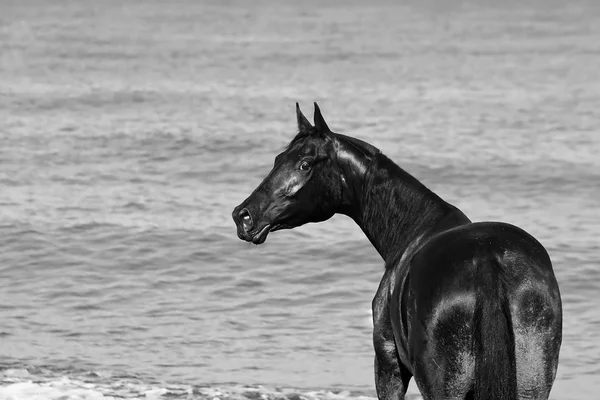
(494, 339)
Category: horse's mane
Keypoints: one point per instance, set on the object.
(362, 146)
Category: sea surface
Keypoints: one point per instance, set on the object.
(130, 129)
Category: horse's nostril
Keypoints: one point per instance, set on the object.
(246, 219)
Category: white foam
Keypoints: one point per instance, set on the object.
(20, 384)
(62, 389)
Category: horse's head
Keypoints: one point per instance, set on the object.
(303, 186)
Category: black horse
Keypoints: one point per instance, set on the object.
(471, 310)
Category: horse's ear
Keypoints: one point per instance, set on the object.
(320, 123)
(303, 124)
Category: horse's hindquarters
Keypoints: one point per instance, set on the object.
(484, 315)
(445, 363)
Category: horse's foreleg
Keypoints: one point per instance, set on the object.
(391, 377)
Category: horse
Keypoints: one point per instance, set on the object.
(471, 310)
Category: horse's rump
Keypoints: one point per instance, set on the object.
(474, 292)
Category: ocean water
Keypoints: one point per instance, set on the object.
(130, 129)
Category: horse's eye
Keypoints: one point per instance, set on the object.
(304, 166)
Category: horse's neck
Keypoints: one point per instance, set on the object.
(395, 210)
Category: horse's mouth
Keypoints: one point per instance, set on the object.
(261, 236)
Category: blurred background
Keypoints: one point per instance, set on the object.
(130, 129)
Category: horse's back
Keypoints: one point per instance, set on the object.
(450, 258)
(482, 262)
